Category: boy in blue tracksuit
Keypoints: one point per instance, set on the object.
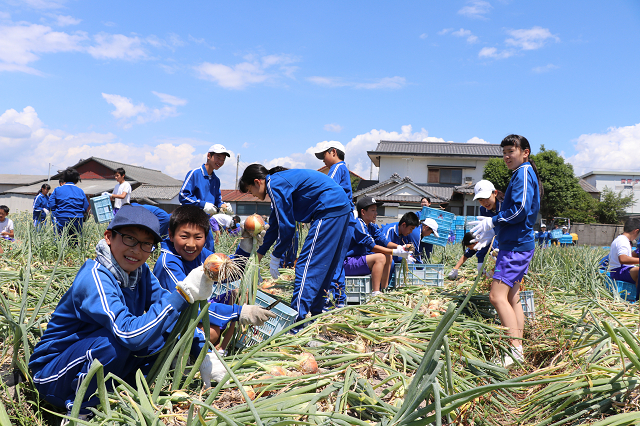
(68, 204)
(306, 196)
(512, 227)
(543, 236)
(184, 251)
(369, 251)
(332, 155)
(201, 186)
(469, 251)
(406, 231)
(41, 206)
(116, 312)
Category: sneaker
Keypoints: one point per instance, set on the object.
(507, 361)
(375, 293)
(66, 421)
(518, 354)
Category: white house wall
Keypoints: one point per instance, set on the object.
(17, 202)
(417, 168)
(613, 182)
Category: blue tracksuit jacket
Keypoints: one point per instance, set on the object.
(390, 232)
(365, 237)
(170, 269)
(40, 203)
(199, 188)
(340, 174)
(68, 201)
(299, 195)
(514, 223)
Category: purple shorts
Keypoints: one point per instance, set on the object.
(357, 265)
(215, 226)
(622, 273)
(511, 266)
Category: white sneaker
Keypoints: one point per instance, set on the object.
(65, 421)
(518, 354)
(507, 361)
(375, 293)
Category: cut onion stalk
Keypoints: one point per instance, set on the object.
(219, 267)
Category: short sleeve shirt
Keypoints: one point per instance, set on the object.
(6, 225)
(621, 245)
(119, 189)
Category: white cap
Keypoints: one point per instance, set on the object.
(564, 227)
(431, 223)
(543, 226)
(219, 149)
(483, 189)
(325, 146)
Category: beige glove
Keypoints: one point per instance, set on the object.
(211, 370)
(196, 286)
(255, 315)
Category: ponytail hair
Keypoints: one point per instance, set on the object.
(522, 143)
(256, 171)
(44, 186)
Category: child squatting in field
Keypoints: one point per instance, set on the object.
(513, 228)
(183, 251)
(115, 311)
(623, 263)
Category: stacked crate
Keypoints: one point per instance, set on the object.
(445, 225)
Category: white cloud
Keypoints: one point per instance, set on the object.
(63, 21)
(545, 68)
(129, 113)
(476, 9)
(333, 127)
(171, 100)
(476, 139)
(465, 33)
(492, 52)
(5, 16)
(110, 24)
(117, 46)
(445, 31)
(45, 4)
(423, 36)
(382, 83)
(617, 149)
(255, 70)
(30, 145)
(22, 43)
(530, 39)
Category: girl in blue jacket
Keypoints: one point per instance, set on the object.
(306, 196)
(513, 229)
(68, 204)
(41, 206)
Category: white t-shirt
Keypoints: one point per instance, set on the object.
(119, 189)
(621, 245)
(223, 219)
(6, 225)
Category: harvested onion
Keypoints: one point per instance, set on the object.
(219, 267)
(307, 363)
(254, 224)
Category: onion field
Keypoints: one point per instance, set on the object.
(413, 356)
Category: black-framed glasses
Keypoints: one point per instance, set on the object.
(130, 241)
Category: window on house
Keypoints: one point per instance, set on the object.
(251, 208)
(471, 210)
(434, 176)
(450, 176)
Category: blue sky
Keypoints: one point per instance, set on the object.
(156, 83)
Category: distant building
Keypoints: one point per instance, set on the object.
(246, 204)
(627, 182)
(443, 171)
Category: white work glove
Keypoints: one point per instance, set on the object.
(411, 260)
(274, 265)
(453, 274)
(481, 226)
(246, 243)
(210, 209)
(106, 193)
(255, 315)
(401, 252)
(211, 370)
(46, 211)
(483, 239)
(196, 286)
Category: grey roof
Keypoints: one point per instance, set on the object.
(155, 192)
(611, 172)
(467, 189)
(588, 187)
(133, 173)
(91, 187)
(435, 149)
(21, 179)
(437, 193)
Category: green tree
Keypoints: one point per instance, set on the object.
(354, 182)
(496, 172)
(612, 207)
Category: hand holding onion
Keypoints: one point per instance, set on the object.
(253, 227)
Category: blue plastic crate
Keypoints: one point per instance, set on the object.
(444, 221)
(420, 274)
(627, 291)
(358, 289)
(460, 220)
(566, 239)
(285, 316)
(555, 234)
(528, 304)
(101, 208)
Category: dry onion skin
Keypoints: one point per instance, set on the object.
(220, 267)
(254, 224)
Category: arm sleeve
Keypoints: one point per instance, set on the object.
(85, 204)
(98, 297)
(220, 314)
(361, 236)
(379, 237)
(169, 271)
(522, 196)
(469, 253)
(271, 234)
(283, 208)
(217, 193)
(52, 201)
(187, 195)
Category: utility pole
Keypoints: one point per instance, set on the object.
(237, 167)
(49, 174)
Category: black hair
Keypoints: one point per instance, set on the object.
(44, 186)
(522, 143)
(120, 171)
(236, 219)
(70, 175)
(410, 219)
(425, 198)
(189, 215)
(629, 226)
(339, 153)
(466, 240)
(5, 208)
(256, 171)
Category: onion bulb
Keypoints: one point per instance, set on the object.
(307, 363)
(219, 267)
(254, 224)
